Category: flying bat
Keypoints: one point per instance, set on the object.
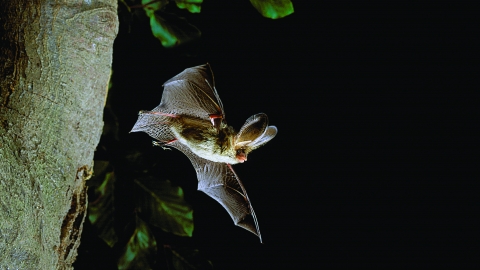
(191, 118)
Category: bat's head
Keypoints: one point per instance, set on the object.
(253, 134)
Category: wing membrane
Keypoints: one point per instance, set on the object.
(155, 125)
(193, 93)
(219, 181)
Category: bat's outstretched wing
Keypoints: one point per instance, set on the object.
(219, 181)
(193, 93)
(155, 125)
(190, 93)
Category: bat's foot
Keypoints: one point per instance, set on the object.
(164, 145)
(216, 120)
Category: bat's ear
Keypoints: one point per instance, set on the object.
(255, 132)
(269, 134)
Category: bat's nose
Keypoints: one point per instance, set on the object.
(241, 157)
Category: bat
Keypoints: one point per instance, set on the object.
(191, 118)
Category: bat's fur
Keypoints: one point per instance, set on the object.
(205, 140)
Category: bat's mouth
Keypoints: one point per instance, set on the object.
(241, 155)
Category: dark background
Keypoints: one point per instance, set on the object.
(377, 111)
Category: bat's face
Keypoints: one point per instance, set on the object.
(240, 155)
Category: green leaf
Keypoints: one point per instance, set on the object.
(194, 6)
(163, 206)
(151, 6)
(273, 9)
(170, 29)
(140, 249)
(100, 210)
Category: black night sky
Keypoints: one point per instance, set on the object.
(372, 163)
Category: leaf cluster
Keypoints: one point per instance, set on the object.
(173, 30)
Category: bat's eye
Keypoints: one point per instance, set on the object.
(240, 155)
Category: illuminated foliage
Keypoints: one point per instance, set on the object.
(191, 5)
(273, 9)
(140, 250)
(173, 30)
(168, 28)
(163, 206)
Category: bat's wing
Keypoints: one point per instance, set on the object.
(155, 125)
(190, 93)
(219, 181)
(193, 93)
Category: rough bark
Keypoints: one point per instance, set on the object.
(55, 59)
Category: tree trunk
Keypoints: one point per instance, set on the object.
(55, 59)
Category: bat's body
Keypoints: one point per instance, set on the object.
(191, 118)
(204, 140)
